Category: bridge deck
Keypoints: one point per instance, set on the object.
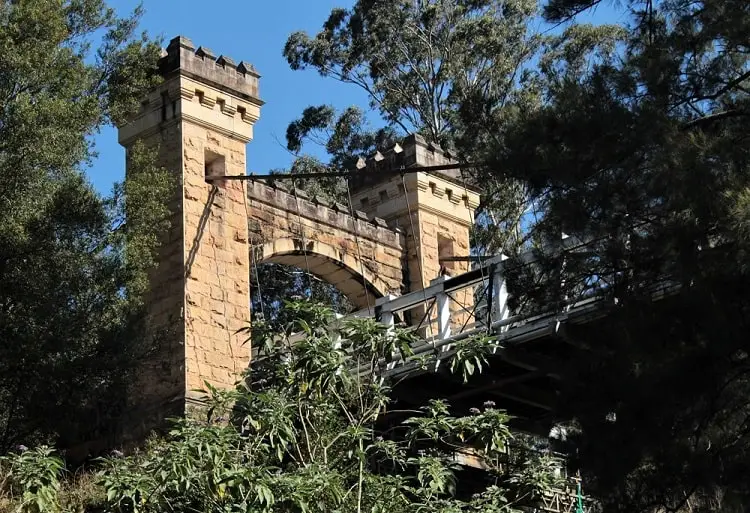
(525, 352)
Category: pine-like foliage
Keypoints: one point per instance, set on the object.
(642, 149)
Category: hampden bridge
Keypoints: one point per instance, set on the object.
(395, 251)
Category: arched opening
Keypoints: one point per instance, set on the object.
(280, 271)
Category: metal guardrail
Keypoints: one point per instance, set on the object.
(496, 322)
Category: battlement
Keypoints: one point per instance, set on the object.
(414, 151)
(323, 213)
(201, 64)
(200, 88)
(385, 195)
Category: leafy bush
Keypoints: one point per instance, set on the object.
(304, 433)
(309, 430)
(33, 476)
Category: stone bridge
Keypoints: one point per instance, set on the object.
(390, 241)
(362, 257)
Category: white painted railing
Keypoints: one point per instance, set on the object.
(439, 329)
(437, 296)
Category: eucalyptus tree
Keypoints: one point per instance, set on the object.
(421, 64)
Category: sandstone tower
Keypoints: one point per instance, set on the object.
(442, 209)
(201, 117)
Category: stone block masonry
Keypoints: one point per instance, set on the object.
(341, 248)
(434, 210)
(201, 117)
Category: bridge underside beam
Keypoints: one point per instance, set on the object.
(527, 395)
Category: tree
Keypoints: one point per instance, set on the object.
(641, 148)
(72, 269)
(421, 64)
(307, 433)
(420, 61)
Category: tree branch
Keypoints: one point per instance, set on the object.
(705, 120)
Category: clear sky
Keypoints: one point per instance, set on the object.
(254, 31)
(250, 30)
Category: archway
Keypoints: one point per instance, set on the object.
(333, 266)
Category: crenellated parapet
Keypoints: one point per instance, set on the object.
(387, 195)
(321, 214)
(413, 151)
(221, 73)
(198, 87)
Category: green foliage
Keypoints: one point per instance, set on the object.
(426, 67)
(140, 216)
(471, 356)
(418, 61)
(33, 476)
(199, 463)
(306, 435)
(641, 147)
(72, 271)
(345, 136)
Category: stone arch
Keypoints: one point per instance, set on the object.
(335, 266)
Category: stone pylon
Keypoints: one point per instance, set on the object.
(435, 210)
(201, 118)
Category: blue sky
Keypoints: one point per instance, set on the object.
(250, 30)
(254, 31)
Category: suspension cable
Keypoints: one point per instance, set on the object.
(472, 220)
(418, 255)
(359, 253)
(304, 242)
(254, 261)
(329, 173)
(257, 280)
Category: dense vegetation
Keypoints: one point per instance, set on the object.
(632, 135)
(304, 434)
(70, 286)
(645, 150)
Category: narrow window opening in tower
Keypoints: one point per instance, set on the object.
(215, 165)
(446, 250)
